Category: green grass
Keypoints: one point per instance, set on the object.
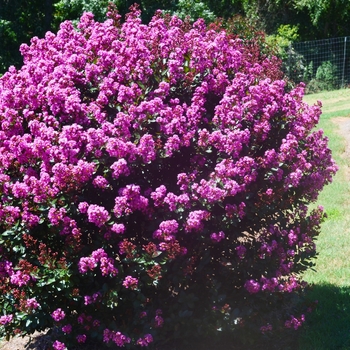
(328, 327)
(335, 103)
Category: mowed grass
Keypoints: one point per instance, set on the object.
(337, 101)
(328, 327)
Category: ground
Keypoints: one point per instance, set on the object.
(37, 341)
(343, 124)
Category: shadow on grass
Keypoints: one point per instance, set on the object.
(328, 326)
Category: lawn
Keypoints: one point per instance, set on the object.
(328, 327)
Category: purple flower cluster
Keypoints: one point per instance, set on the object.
(19, 278)
(57, 345)
(130, 282)
(97, 215)
(116, 337)
(67, 328)
(32, 304)
(90, 299)
(295, 322)
(217, 237)
(98, 256)
(58, 315)
(166, 230)
(252, 286)
(6, 319)
(145, 341)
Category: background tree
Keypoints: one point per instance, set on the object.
(19, 21)
(327, 18)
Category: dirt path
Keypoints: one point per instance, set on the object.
(343, 124)
(344, 129)
(38, 341)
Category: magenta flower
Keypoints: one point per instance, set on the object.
(20, 279)
(83, 207)
(145, 341)
(241, 250)
(265, 329)
(130, 282)
(158, 321)
(117, 337)
(195, 220)
(118, 228)
(107, 267)
(6, 319)
(217, 237)
(100, 182)
(295, 322)
(97, 215)
(32, 303)
(98, 254)
(57, 345)
(67, 328)
(252, 286)
(81, 338)
(58, 315)
(86, 263)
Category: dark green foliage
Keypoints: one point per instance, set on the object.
(19, 21)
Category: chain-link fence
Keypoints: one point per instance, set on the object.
(321, 64)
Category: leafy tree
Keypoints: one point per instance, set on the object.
(269, 14)
(327, 18)
(73, 9)
(20, 21)
(194, 9)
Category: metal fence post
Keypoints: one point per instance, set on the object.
(344, 57)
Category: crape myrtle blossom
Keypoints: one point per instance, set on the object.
(91, 299)
(6, 319)
(20, 279)
(98, 256)
(97, 215)
(130, 282)
(32, 304)
(116, 337)
(252, 286)
(217, 237)
(67, 328)
(137, 160)
(57, 345)
(295, 322)
(58, 315)
(145, 341)
(81, 338)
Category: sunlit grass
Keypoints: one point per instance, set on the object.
(328, 327)
(335, 103)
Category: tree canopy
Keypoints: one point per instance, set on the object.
(21, 20)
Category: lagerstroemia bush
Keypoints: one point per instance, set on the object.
(153, 176)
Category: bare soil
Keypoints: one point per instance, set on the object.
(343, 124)
(38, 341)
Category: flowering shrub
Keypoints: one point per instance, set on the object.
(154, 180)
